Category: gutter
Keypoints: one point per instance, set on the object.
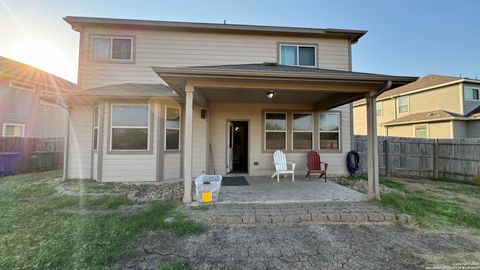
(65, 147)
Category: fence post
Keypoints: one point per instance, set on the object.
(386, 149)
(435, 159)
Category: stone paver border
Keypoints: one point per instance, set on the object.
(325, 212)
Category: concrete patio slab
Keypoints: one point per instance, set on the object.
(264, 190)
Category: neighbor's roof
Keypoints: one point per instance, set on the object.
(21, 71)
(422, 83)
(284, 71)
(127, 90)
(352, 35)
(430, 116)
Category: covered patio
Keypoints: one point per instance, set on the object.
(318, 89)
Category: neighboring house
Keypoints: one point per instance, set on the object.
(167, 100)
(434, 106)
(31, 101)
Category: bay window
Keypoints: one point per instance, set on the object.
(130, 125)
(172, 128)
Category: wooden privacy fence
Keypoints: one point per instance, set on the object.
(27, 146)
(433, 158)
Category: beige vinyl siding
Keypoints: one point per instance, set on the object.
(199, 144)
(440, 130)
(80, 142)
(220, 113)
(360, 120)
(401, 131)
(473, 129)
(459, 129)
(436, 130)
(172, 167)
(19, 106)
(95, 167)
(172, 49)
(469, 105)
(442, 98)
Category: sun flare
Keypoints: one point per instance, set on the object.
(44, 55)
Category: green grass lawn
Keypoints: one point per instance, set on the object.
(40, 229)
(435, 204)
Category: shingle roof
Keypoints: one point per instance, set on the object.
(352, 35)
(18, 70)
(274, 67)
(127, 90)
(423, 82)
(429, 116)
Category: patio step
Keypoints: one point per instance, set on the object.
(325, 212)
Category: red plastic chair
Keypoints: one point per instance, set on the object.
(315, 166)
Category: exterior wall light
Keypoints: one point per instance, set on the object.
(270, 94)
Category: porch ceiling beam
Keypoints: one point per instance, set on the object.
(284, 85)
(337, 100)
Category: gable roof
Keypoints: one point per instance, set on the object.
(422, 83)
(352, 35)
(21, 71)
(430, 116)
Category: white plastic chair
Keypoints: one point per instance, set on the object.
(280, 162)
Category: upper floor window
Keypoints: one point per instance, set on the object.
(130, 127)
(298, 55)
(111, 48)
(472, 94)
(21, 85)
(13, 130)
(50, 98)
(379, 108)
(403, 104)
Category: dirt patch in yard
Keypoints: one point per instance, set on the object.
(358, 184)
(305, 247)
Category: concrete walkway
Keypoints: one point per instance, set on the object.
(264, 190)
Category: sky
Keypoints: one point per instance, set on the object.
(404, 37)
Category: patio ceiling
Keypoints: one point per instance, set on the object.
(324, 88)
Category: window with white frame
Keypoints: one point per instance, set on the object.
(130, 125)
(421, 131)
(172, 128)
(275, 131)
(329, 131)
(379, 107)
(402, 104)
(95, 127)
(302, 131)
(298, 55)
(50, 98)
(13, 130)
(472, 94)
(21, 85)
(111, 48)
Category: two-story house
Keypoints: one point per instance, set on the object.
(172, 100)
(31, 101)
(434, 106)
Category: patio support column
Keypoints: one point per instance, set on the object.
(372, 145)
(187, 145)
